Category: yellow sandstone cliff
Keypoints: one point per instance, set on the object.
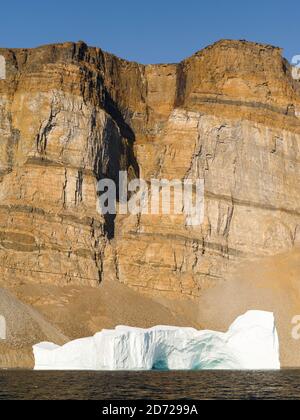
(72, 114)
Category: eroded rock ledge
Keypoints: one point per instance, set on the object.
(71, 114)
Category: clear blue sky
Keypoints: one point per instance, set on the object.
(150, 31)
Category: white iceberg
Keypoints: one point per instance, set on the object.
(251, 343)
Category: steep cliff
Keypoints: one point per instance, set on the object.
(61, 131)
(71, 114)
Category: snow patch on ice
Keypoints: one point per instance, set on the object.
(250, 343)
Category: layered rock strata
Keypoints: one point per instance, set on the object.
(71, 115)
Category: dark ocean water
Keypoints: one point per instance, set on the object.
(283, 384)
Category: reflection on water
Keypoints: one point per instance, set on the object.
(150, 385)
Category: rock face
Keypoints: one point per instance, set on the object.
(71, 115)
(250, 343)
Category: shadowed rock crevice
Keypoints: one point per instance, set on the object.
(180, 85)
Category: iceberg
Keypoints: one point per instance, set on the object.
(251, 343)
